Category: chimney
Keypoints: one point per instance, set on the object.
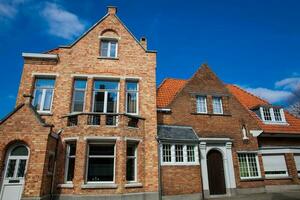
(112, 10)
(143, 42)
(28, 98)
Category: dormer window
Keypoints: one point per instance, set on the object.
(272, 115)
(108, 48)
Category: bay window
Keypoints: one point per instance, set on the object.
(78, 95)
(131, 162)
(108, 48)
(101, 162)
(217, 105)
(179, 154)
(43, 94)
(275, 165)
(131, 97)
(248, 165)
(70, 161)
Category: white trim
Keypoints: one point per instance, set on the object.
(40, 55)
(216, 139)
(133, 139)
(70, 139)
(256, 133)
(44, 75)
(278, 150)
(164, 109)
(109, 37)
(101, 138)
(105, 77)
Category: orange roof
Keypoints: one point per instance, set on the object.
(168, 90)
(249, 101)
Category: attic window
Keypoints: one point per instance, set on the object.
(108, 48)
(272, 115)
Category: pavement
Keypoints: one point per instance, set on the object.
(291, 195)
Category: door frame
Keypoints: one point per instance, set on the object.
(5, 166)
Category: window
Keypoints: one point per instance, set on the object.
(109, 48)
(267, 114)
(43, 94)
(70, 161)
(297, 161)
(217, 105)
(274, 165)
(277, 114)
(201, 104)
(101, 162)
(78, 95)
(248, 164)
(132, 97)
(106, 97)
(131, 163)
(179, 154)
(166, 153)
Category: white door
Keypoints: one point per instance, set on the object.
(14, 175)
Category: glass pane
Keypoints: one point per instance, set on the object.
(78, 101)
(131, 102)
(71, 167)
(217, 105)
(79, 84)
(101, 169)
(130, 169)
(179, 153)
(72, 147)
(167, 153)
(37, 99)
(19, 151)
(10, 168)
(113, 48)
(44, 83)
(21, 169)
(99, 102)
(112, 98)
(131, 149)
(131, 86)
(110, 85)
(48, 100)
(104, 48)
(102, 149)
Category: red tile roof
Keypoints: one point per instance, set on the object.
(168, 90)
(249, 101)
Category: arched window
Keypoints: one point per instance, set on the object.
(19, 151)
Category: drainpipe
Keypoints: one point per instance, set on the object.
(159, 171)
(199, 157)
(54, 167)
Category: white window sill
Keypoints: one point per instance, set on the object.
(252, 179)
(275, 123)
(99, 186)
(133, 185)
(108, 58)
(277, 177)
(65, 185)
(45, 113)
(179, 164)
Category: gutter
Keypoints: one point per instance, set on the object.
(159, 171)
(40, 55)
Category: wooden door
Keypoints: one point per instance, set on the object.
(215, 170)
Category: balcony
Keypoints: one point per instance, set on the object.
(103, 119)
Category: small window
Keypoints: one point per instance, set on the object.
(43, 94)
(275, 165)
(248, 165)
(267, 114)
(78, 95)
(166, 153)
(109, 48)
(201, 104)
(190, 153)
(217, 105)
(131, 163)
(101, 162)
(277, 115)
(179, 153)
(70, 161)
(131, 97)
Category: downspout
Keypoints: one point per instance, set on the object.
(159, 171)
(54, 167)
(201, 178)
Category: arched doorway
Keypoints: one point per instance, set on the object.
(14, 173)
(215, 170)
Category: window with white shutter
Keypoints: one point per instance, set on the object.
(274, 165)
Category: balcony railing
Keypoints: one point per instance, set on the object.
(104, 119)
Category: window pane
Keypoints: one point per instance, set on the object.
(19, 151)
(179, 153)
(72, 150)
(101, 149)
(78, 101)
(277, 114)
(37, 99)
(104, 48)
(217, 105)
(201, 104)
(130, 169)
(10, 168)
(44, 83)
(99, 102)
(131, 86)
(21, 168)
(48, 100)
(71, 166)
(131, 149)
(109, 85)
(131, 102)
(190, 153)
(113, 48)
(112, 98)
(80, 84)
(267, 114)
(101, 169)
(166, 153)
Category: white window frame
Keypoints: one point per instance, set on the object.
(197, 104)
(73, 97)
(173, 154)
(41, 110)
(67, 159)
(87, 162)
(272, 121)
(248, 166)
(135, 157)
(137, 97)
(221, 105)
(297, 166)
(276, 175)
(109, 40)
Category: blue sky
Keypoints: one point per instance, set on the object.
(254, 44)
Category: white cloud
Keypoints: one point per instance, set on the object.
(272, 96)
(7, 11)
(289, 83)
(61, 22)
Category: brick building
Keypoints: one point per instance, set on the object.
(89, 125)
